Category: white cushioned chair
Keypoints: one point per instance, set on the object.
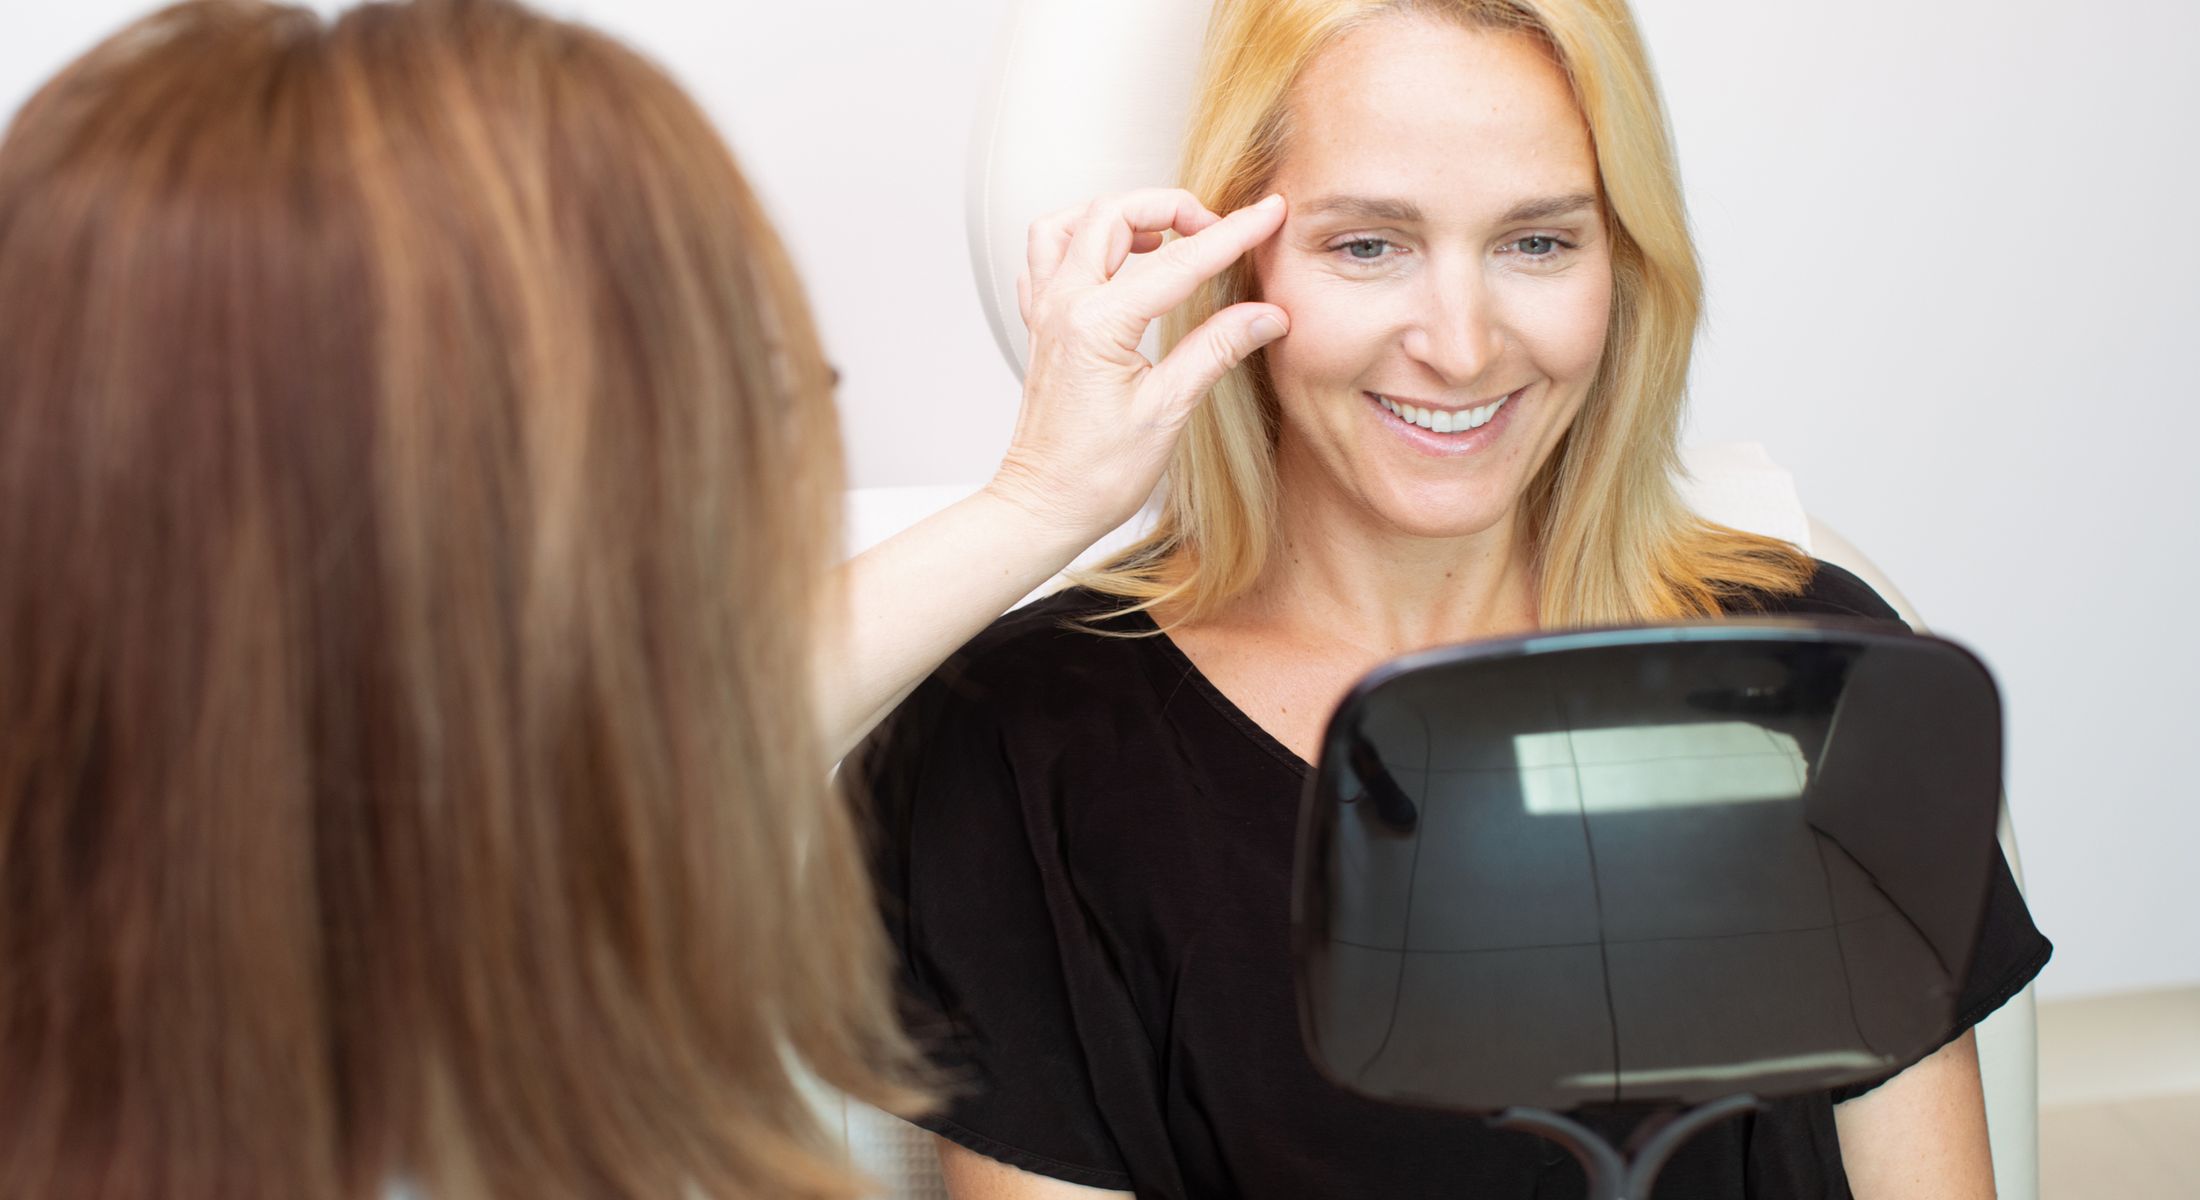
(1088, 99)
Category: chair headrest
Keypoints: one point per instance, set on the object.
(1086, 99)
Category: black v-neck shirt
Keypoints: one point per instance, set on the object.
(1083, 852)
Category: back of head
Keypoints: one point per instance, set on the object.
(417, 473)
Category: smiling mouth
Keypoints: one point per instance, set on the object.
(1438, 420)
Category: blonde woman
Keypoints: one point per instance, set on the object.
(1469, 430)
(418, 491)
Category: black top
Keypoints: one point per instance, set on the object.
(1084, 855)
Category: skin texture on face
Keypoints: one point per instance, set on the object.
(1445, 249)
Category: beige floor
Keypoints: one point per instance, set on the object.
(2120, 1097)
(2146, 1149)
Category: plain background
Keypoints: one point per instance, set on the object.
(1954, 268)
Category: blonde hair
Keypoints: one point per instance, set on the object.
(1612, 540)
(417, 479)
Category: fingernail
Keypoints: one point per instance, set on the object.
(1267, 328)
(1274, 199)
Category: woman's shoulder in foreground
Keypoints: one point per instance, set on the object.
(1831, 592)
(1048, 633)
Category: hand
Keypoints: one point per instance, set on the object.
(1099, 421)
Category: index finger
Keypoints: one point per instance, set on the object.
(1175, 271)
(1110, 228)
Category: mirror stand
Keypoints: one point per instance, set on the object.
(1629, 1174)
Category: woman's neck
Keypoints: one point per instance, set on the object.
(1339, 568)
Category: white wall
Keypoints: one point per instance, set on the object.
(1951, 248)
(1954, 275)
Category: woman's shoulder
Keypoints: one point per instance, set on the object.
(1831, 591)
(1034, 682)
(1073, 624)
(1075, 640)
(1073, 610)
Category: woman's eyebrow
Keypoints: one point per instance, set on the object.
(1406, 212)
(1548, 207)
(1365, 208)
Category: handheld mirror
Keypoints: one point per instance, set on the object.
(1654, 866)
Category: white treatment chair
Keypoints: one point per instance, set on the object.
(1087, 99)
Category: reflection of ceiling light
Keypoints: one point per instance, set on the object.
(1815, 1064)
(1640, 767)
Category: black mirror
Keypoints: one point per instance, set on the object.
(1653, 866)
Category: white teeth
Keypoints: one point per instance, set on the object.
(1440, 421)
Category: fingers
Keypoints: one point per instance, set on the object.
(1172, 273)
(1049, 239)
(1056, 239)
(1109, 230)
(1097, 237)
(1207, 353)
(1044, 245)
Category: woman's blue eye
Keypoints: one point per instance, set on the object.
(1538, 246)
(1365, 249)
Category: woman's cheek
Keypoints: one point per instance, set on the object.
(1564, 326)
(1335, 331)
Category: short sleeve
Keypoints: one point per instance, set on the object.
(2009, 954)
(2010, 950)
(966, 903)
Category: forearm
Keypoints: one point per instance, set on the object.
(910, 601)
(1097, 425)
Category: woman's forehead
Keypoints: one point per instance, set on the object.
(1451, 120)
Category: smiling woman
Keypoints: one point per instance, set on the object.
(1469, 430)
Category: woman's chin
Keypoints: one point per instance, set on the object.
(1442, 517)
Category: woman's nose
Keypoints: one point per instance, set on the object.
(1458, 334)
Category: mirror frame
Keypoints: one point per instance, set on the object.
(1336, 746)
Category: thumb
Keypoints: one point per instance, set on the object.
(1208, 353)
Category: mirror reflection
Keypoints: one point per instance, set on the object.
(1668, 864)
